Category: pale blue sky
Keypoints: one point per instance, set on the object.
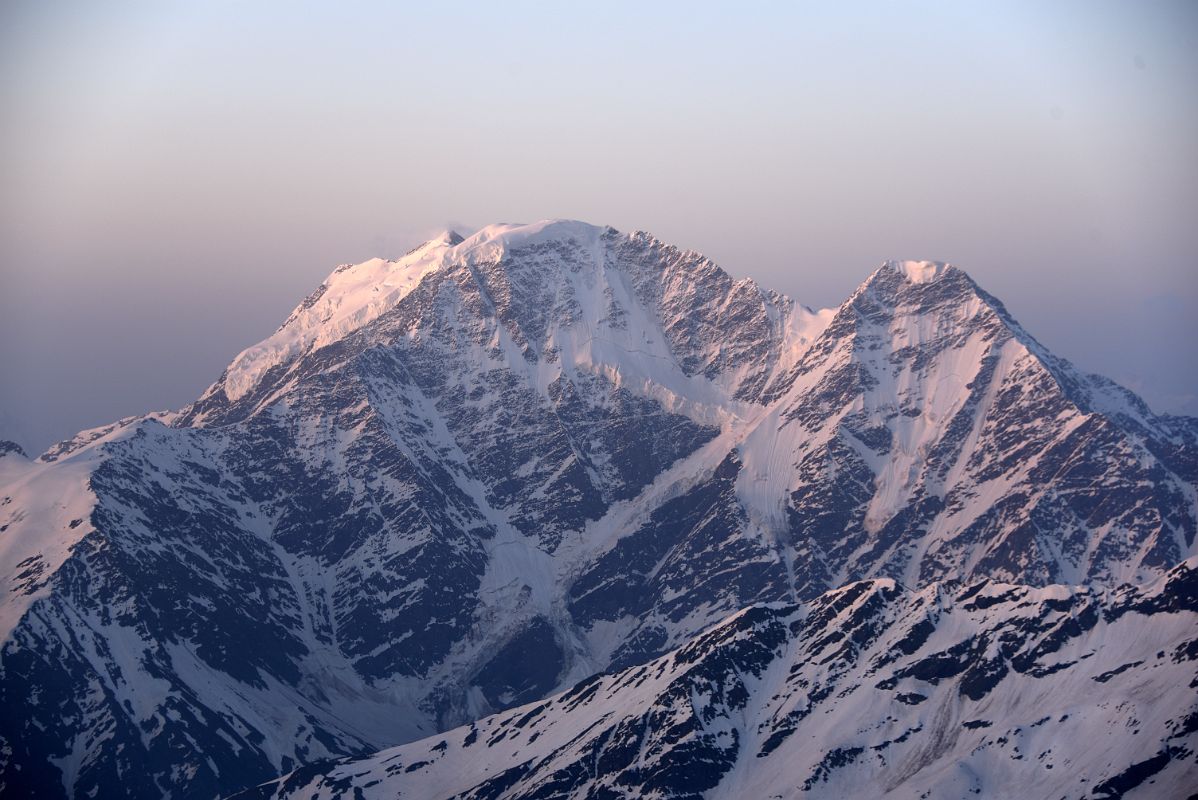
(174, 177)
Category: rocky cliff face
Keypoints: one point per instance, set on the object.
(464, 480)
(957, 690)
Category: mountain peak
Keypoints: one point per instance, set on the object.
(449, 237)
(516, 234)
(354, 295)
(919, 271)
(898, 281)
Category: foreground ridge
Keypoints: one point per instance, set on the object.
(953, 691)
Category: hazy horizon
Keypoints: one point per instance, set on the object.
(175, 178)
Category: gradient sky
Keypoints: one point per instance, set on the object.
(175, 177)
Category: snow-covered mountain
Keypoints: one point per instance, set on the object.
(870, 690)
(461, 481)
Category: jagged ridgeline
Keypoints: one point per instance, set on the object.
(463, 481)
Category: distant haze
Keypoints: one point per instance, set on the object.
(175, 177)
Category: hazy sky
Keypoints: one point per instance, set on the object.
(174, 177)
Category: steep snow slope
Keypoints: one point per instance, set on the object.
(56, 515)
(531, 455)
(924, 435)
(870, 690)
(353, 296)
(958, 444)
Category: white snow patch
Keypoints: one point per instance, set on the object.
(919, 271)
